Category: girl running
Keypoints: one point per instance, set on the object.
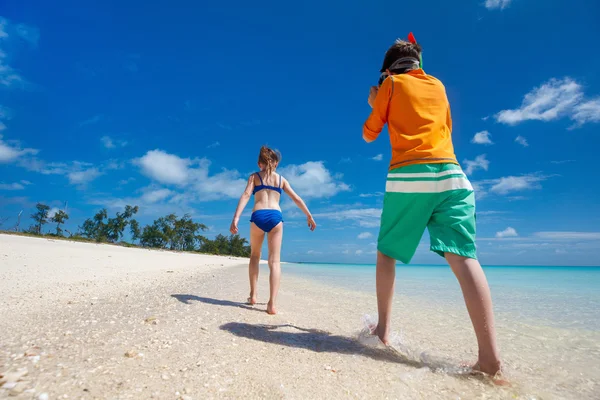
(266, 186)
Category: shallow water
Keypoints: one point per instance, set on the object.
(548, 322)
(563, 297)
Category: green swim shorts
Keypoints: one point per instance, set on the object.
(438, 197)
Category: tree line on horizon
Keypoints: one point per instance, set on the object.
(169, 232)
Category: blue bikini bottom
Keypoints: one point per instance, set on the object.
(266, 219)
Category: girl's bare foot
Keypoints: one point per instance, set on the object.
(251, 300)
(271, 308)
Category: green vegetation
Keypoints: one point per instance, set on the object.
(169, 232)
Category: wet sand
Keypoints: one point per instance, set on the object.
(101, 322)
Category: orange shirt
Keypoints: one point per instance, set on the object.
(416, 109)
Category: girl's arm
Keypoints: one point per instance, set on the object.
(244, 198)
(300, 203)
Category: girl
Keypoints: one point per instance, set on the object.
(266, 186)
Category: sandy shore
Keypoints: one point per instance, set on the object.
(84, 321)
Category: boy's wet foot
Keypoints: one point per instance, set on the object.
(380, 332)
(271, 309)
(492, 369)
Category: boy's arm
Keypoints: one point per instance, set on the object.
(378, 118)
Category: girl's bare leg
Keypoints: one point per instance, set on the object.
(478, 299)
(385, 277)
(256, 241)
(274, 240)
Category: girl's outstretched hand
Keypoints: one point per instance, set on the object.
(233, 228)
(311, 223)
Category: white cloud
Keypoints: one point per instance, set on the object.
(313, 252)
(213, 145)
(553, 100)
(8, 75)
(376, 194)
(558, 162)
(508, 232)
(53, 212)
(480, 162)
(364, 217)
(548, 102)
(110, 143)
(91, 121)
(497, 4)
(378, 157)
(522, 141)
(107, 142)
(346, 251)
(517, 183)
(164, 167)
(193, 175)
(11, 151)
(28, 33)
(568, 235)
(77, 172)
(588, 111)
(12, 186)
(83, 176)
(483, 137)
(156, 195)
(358, 252)
(508, 184)
(313, 180)
(365, 235)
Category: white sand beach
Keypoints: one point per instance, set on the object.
(87, 321)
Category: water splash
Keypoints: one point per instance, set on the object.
(400, 345)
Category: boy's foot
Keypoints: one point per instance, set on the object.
(251, 300)
(271, 309)
(493, 370)
(383, 337)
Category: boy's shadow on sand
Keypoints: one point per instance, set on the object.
(314, 340)
(188, 298)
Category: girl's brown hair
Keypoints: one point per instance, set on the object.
(269, 158)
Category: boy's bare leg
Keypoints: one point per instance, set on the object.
(274, 241)
(385, 277)
(256, 240)
(478, 299)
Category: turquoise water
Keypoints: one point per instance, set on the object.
(564, 297)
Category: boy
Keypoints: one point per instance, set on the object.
(425, 188)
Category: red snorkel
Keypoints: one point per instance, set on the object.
(411, 38)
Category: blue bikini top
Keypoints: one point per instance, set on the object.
(263, 186)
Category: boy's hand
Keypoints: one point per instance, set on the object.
(372, 95)
(311, 223)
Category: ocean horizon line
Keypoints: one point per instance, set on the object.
(445, 265)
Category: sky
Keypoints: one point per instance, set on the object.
(165, 105)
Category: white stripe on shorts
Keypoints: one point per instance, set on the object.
(427, 186)
(424, 174)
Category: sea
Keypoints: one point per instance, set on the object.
(563, 297)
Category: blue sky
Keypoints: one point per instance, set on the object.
(164, 105)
